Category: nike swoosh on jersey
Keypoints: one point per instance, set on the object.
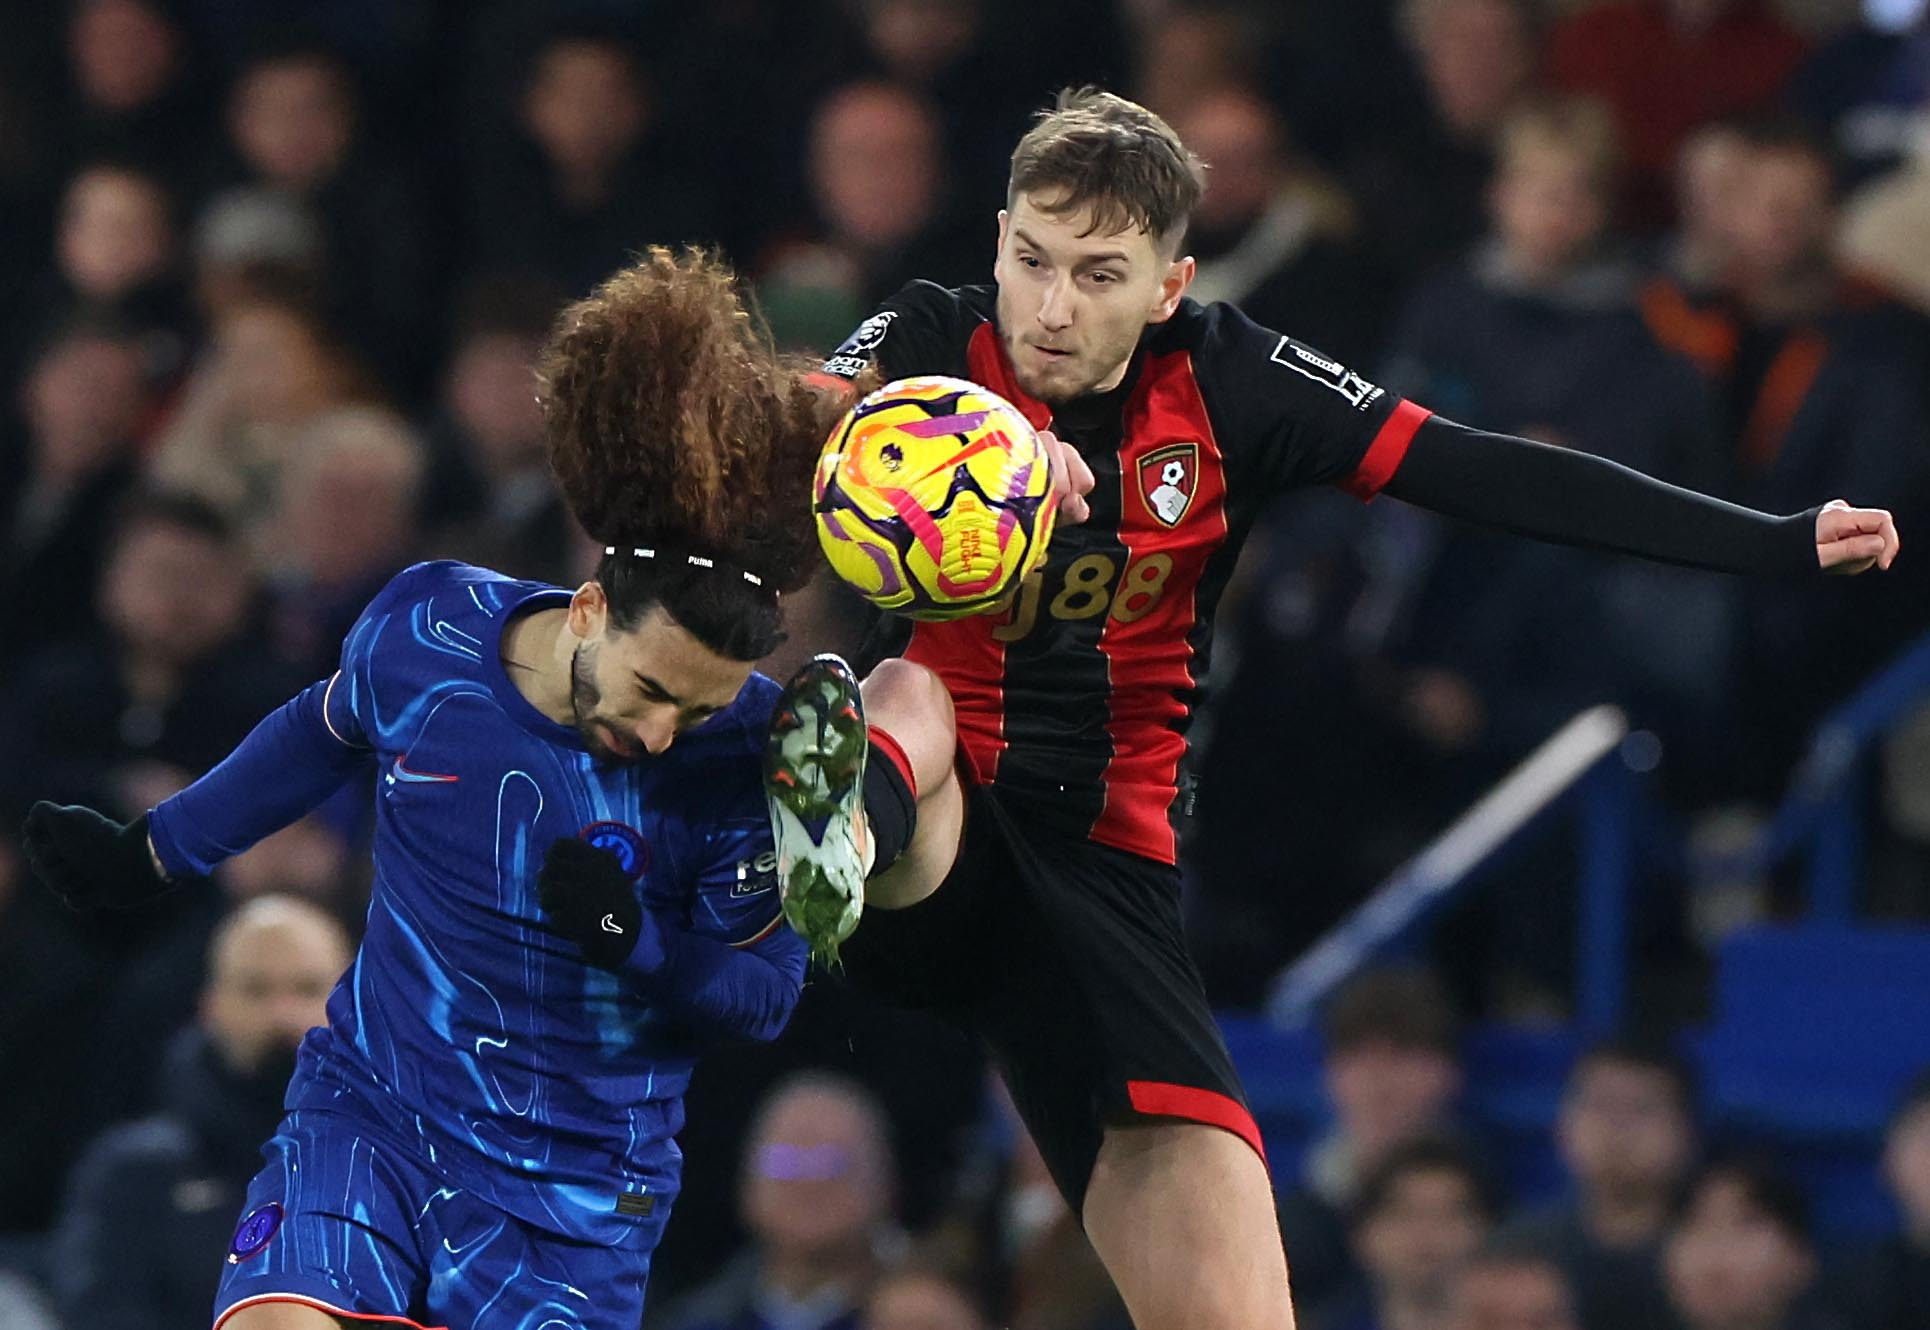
(402, 773)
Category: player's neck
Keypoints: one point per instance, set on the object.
(536, 652)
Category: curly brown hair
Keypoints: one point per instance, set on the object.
(674, 425)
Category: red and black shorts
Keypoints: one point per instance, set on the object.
(1067, 958)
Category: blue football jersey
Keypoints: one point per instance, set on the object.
(466, 1026)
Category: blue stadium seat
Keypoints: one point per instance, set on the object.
(1817, 1031)
(1515, 1077)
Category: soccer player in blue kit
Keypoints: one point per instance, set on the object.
(573, 864)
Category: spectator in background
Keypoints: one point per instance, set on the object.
(982, 88)
(1667, 66)
(271, 367)
(1698, 253)
(84, 403)
(151, 1206)
(1392, 1073)
(1191, 49)
(119, 719)
(1523, 337)
(134, 92)
(1509, 1286)
(589, 181)
(123, 719)
(1422, 1211)
(917, 1298)
(251, 240)
(489, 498)
(117, 243)
(957, 54)
(1741, 1256)
(1888, 1287)
(1421, 187)
(1275, 237)
(879, 189)
(1884, 239)
(115, 254)
(1009, 1225)
(1822, 393)
(344, 523)
(157, 973)
(1627, 1138)
(312, 859)
(294, 120)
(923, 43)
(818, 1192)
(1818, 396)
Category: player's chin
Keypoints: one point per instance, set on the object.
(1059, 383)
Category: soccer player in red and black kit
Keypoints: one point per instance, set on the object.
(1010, 820)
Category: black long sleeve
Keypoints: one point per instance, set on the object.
(1574, 498)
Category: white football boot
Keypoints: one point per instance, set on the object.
(814, 784)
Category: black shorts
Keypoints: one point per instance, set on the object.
(1067, 959)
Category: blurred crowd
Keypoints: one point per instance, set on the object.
(274, 272)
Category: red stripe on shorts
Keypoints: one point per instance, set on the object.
(1162, 1099)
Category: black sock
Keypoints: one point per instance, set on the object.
(889, 805)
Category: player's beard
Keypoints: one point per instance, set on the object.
(1076, 375)
(584, 698)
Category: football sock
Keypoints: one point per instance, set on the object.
(890, 800)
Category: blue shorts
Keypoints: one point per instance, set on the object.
(347, 1219)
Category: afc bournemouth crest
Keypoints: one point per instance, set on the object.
(1167, 478)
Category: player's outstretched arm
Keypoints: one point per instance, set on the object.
(1578, 499)
(286, 766)
(745, 991)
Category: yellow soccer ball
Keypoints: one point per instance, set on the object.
(933, 498)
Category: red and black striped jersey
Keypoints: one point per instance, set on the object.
(1076, 697)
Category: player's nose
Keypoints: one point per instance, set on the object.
(1055, 311)
(656, 730)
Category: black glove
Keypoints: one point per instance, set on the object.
(92, 862)
(590, 900)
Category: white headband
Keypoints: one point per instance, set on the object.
(697, 559)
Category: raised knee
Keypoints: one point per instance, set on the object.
(905, 689)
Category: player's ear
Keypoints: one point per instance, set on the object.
(1005, 222)
(1179, 276)
(589, 611)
